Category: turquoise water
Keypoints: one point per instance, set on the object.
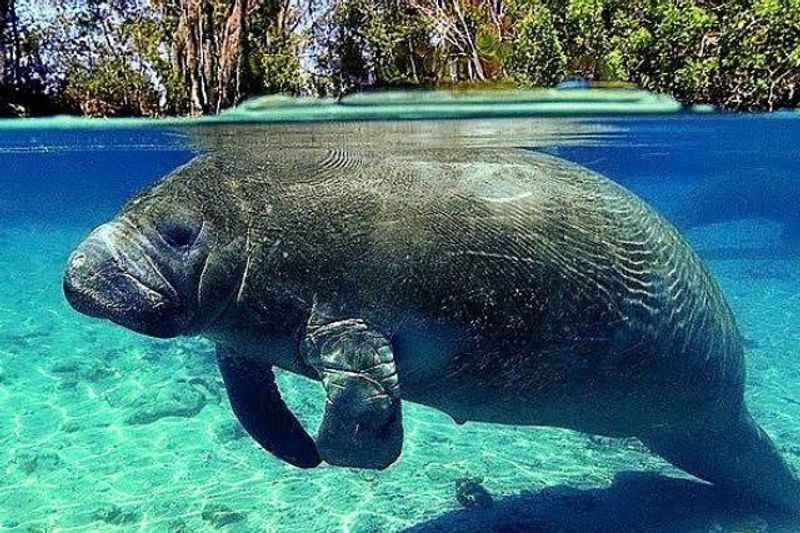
(105, 430)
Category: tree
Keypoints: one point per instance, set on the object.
(537, 58)
(371, 43)
(223, 50)
(149, 57)
(279, 30)
(208, 51)
(9, 44)
(23, 87)
(456, 24)
(759, 55)
(106, 57)
(669, 46)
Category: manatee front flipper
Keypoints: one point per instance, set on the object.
(362, 426)
(737, 456)
(257, 402)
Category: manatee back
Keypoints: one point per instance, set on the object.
(612, 293)
(502, 240)
(531, 260)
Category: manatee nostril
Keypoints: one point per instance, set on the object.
(77, 260)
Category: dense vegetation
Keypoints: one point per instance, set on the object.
(156, 57)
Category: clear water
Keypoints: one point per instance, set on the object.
(75, 456)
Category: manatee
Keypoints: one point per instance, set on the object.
(490, 283)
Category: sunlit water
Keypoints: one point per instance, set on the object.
(102, 429)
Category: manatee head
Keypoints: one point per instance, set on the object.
(164, 266)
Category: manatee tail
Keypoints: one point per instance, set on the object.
(739, 457)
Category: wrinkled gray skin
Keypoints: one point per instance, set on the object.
(491, 284)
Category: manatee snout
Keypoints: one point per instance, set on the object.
(137, 278)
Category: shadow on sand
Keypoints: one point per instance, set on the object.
(634, 502)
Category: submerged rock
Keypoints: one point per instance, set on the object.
(470, 493)
(80, 370)
(30, 461)
(29, 339)
(229, 431)
(70, 426)
(209, 388)
(598, 442)
(115, 515)
(178, 526)
(441, 473)
(174, 399)
(41, 528)
(219, 515)
(369, 523)
(66, 367)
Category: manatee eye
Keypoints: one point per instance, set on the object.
(180, 234)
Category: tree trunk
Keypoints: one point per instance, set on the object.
(14, 48)
(9, 45)
(4, 15)
(207, 57)
(230, 55)
(187, 54)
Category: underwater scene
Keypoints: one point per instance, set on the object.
(106, 429)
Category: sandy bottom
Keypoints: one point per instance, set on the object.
(104, 430)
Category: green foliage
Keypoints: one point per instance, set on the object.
(375, 42)
(759, 59)
(275, 66)
(588, 38)
(537, 57)
(147, 36)
(492, 46)
(107, 57)
(110, 87)
(117, 56)
(675, 58)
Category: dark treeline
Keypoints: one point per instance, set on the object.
(164, 57)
